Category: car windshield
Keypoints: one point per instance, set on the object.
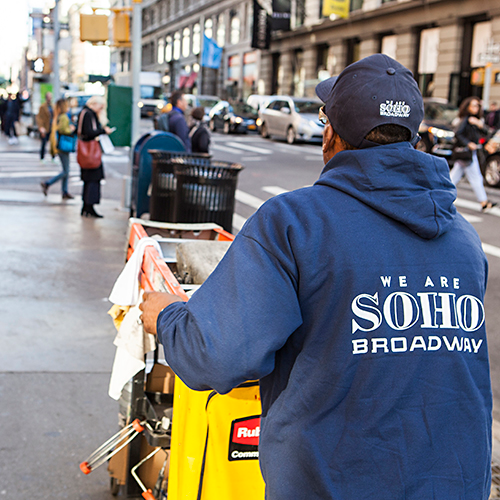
(440, 112)
(242, 108)
(307, 107)
(208, 103)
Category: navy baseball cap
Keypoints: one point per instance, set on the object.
(376, 90)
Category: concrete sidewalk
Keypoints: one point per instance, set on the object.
(56, 340)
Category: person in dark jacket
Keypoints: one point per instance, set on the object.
(199, 134)
(12, 112)
(176, 120)
(492, 117)
(468, 134)
(358, 303)
(89, 128)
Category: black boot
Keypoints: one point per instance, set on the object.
(88, 211)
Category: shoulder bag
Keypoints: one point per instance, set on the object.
(88, 153)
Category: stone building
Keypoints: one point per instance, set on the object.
(441, 41)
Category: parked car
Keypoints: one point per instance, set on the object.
(292, 118)
(236, 117)
(207, 101)
(489, 159)
(436, 128)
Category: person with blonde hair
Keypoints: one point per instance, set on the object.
(91, 124)
(60, 125)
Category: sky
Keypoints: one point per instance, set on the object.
(14, 30)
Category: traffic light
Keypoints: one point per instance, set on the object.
(42, 65)
(93, 28)
(121, 28)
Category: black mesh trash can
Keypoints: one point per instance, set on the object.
(163, 182)
(205, 193)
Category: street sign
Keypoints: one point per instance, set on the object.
(491, 54)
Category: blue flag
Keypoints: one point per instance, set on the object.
(212, 53)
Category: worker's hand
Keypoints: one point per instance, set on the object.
(151, 306)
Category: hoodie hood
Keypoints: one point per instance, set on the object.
(407, 185)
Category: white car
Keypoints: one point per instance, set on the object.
(292, 118)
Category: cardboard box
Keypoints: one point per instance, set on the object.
(161, 379)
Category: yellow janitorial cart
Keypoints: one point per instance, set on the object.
(176, 442)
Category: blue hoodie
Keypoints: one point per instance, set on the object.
(358, 304)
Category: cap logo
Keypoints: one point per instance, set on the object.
(397, 109)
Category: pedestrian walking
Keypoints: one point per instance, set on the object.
(161, 121)
(492, 117)
(13, 108)
(44, 123)
(176, 120)
(3, 110)
(92, 124)
(469, 132)
(199, 133)
(358, 304)
(61, 126)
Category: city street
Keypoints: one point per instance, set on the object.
(57, 268)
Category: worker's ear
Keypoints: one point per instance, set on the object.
(329, 137)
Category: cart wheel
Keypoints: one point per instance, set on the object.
(114, 486)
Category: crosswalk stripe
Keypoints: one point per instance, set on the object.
(238, 221)
(491, 250)
(226, 150)
(248, 199)
(253, 149)
(274, 190)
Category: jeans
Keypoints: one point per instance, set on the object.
(64, 175)
(474, 176)
(44, 139)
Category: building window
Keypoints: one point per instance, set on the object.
(152, 53)
(196, 39)
(168, 49)
(186, 42)
(168, 6)
(209, 26)
(388, 45)
(428, 60)
(177, 45)
(221, 30)
(235, 27)
(356, 5)
(153, 16)
(161, 51)
(299, 12)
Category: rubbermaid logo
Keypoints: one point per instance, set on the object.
(397, 109)
(244, 438)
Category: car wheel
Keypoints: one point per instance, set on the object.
(212, 125)
(492, 171)
(290, 135)
(226, 128)
(263, 131)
